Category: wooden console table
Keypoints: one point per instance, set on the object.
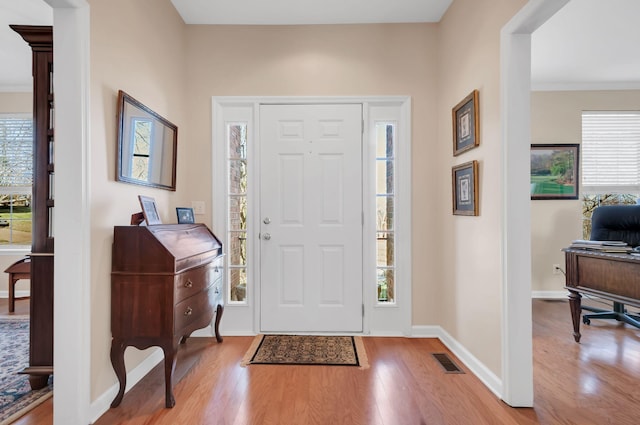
(614, 277)
(166, 282)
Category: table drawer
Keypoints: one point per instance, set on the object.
(194, 313)
(196, 280)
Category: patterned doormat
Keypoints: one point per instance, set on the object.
(307, 350)
(16, 396)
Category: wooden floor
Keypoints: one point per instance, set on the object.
(592, 383)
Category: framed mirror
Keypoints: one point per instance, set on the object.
(147, 145)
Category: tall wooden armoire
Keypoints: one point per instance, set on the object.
(40, 38)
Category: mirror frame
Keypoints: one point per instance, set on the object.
(123, 100)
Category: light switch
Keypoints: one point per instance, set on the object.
(198, 207)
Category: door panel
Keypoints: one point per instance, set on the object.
(311, 207)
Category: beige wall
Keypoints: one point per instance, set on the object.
(471, 289)
(136, 46)
(10, 103)
(324, 60)
(176, 69)
(556, 118)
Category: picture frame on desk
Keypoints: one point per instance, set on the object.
(149, 210)
(185, 215)
(465, 188)
(555, 171)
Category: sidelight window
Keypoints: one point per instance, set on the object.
(385, 201)
(237, 213)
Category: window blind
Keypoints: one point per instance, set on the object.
(16, 150)
(611, 152)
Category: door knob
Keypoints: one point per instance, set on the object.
(267, 220)
(266, 236)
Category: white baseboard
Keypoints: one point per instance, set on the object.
(488, 378)
(19, 294)
(550, 295)
(103, 403)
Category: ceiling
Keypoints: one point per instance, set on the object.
(15, 53)
(290, 12)
(589, 44)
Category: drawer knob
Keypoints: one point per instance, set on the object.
(216, 269)
(188, 284)
(188, 312)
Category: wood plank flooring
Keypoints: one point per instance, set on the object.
(591, 383)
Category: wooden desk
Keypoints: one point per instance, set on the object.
(614, 277)
(21, 269)
(166, 282)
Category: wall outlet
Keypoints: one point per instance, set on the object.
(557, 269)
(198, 207)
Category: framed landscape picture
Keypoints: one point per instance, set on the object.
(465, 188)
(555, 171)
(466, 124)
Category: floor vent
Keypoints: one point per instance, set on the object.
(447, 364)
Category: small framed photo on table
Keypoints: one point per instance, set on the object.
(465, 188)
(149, 210)
(466, 124)
(185, 215)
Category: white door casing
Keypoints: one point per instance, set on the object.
(311, 218)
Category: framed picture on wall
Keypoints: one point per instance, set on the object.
(465, 188)
(466, 124)
(555, 171)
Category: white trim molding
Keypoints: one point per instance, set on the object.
(515, 89)
(243, 319)
(475, 366)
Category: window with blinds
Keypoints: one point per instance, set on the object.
(611, 152)
(16, 179)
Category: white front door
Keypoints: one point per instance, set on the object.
(311, 218)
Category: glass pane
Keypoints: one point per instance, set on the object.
(384, 176)
(15, 219)
(386, 287)
(238, 141)
(141, 137)
(384, 213)
(384, 140)
(237, 249)
(384, 251)
(238, 285)
(238, 176)
(140, 168)
(237, 212)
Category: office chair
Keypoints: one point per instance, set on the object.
(615, 223)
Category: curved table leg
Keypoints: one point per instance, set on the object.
(170, 357)
(219, 311)
(117, 361)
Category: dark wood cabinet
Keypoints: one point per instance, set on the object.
(166, 282)
(40, 38)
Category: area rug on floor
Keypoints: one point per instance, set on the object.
(307, 350)
(16, 396)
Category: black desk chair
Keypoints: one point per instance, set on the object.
(615, 223)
